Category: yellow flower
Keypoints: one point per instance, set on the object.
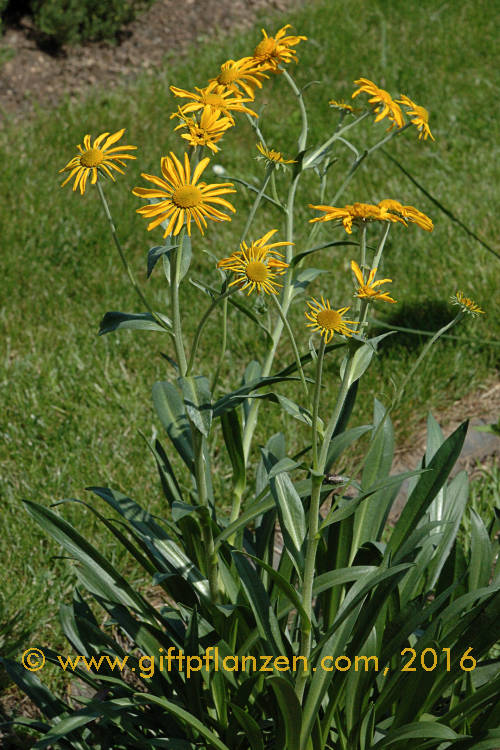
(357, 212)
(329, 321)
(240, 74)
(342, 106)
(420, 117)
(181, 198)
(206, 130)
(94, 157)
(408, 212)
(215, 97)
(385, 104)
(466, 304)
(273, 50)
(274, 158)
(255, 267)
(367, 290)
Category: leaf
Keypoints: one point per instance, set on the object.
(246, 310)
(49, 704)
(257, 598)
(114, 321)
(197, 400)
(428, 486)
(170, 409)
(290, 710)
(481, 553)
(169, 256)
(297, 258)
(155, 253)
(289, 591)
(233, 399)
(233, 438)
(253, 733)
(344, 440)
(418, 730)
(302, 280)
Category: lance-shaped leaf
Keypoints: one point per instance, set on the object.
(231, 430)
(428, 486)
(170, 409)
(197, 400)
(114, 321)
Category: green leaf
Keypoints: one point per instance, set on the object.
(114, 321)
(289, 591)
(481, 553)
(184, 716)
(297, 258)
(253, 733)
(233, 438)
(344, 440)
(233, 399)
(424, 730)
(257, 598)
(197, 400)
(49, 704)
(155, 253)
(246, 310)
(428, 486)
(290, 710)
(169, 257)
(170, 409)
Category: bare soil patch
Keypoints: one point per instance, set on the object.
(32, 73)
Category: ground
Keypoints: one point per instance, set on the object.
(32, 74)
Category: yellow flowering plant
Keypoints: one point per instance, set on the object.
(302, 573)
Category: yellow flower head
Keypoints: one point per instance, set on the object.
(342, 106)
(180, 197)
(95, 157)
(255, 267)
(420, 117)
(367, 289)
(240, 76)
(383, 103)
(328, 321)
(408, 212)
(466, 304)
(214, 97)
(357, 213)
(273, 50)
(273, 158)
(204, 130)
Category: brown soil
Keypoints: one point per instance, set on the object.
(32, 74)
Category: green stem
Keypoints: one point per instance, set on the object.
(381, 244)
(313, 535)
(409, 375)
(201, 326)
(256, 202)
(324, 146)
(332, 424)
(223, 347)
(206, 527)
(293, 343)
(302, 140)
(130, 274)
(175, 266)
(251, 421)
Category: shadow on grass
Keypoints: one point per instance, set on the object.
(430, 316)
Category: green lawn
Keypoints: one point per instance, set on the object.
(72, 403)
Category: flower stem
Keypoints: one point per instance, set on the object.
(130, 274)
(302, 140)
(313, 536)
(201, 326)
(206, 527)
(256, 202)
(293, 343)
(175, 266)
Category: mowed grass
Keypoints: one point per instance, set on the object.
(73, 403)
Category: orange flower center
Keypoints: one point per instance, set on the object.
(187, 196)
(92, 157)
(214, 100)
(257, 271)
(265, 48)
(228, 75)
(329, 319)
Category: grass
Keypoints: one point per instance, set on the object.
(73, 403)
